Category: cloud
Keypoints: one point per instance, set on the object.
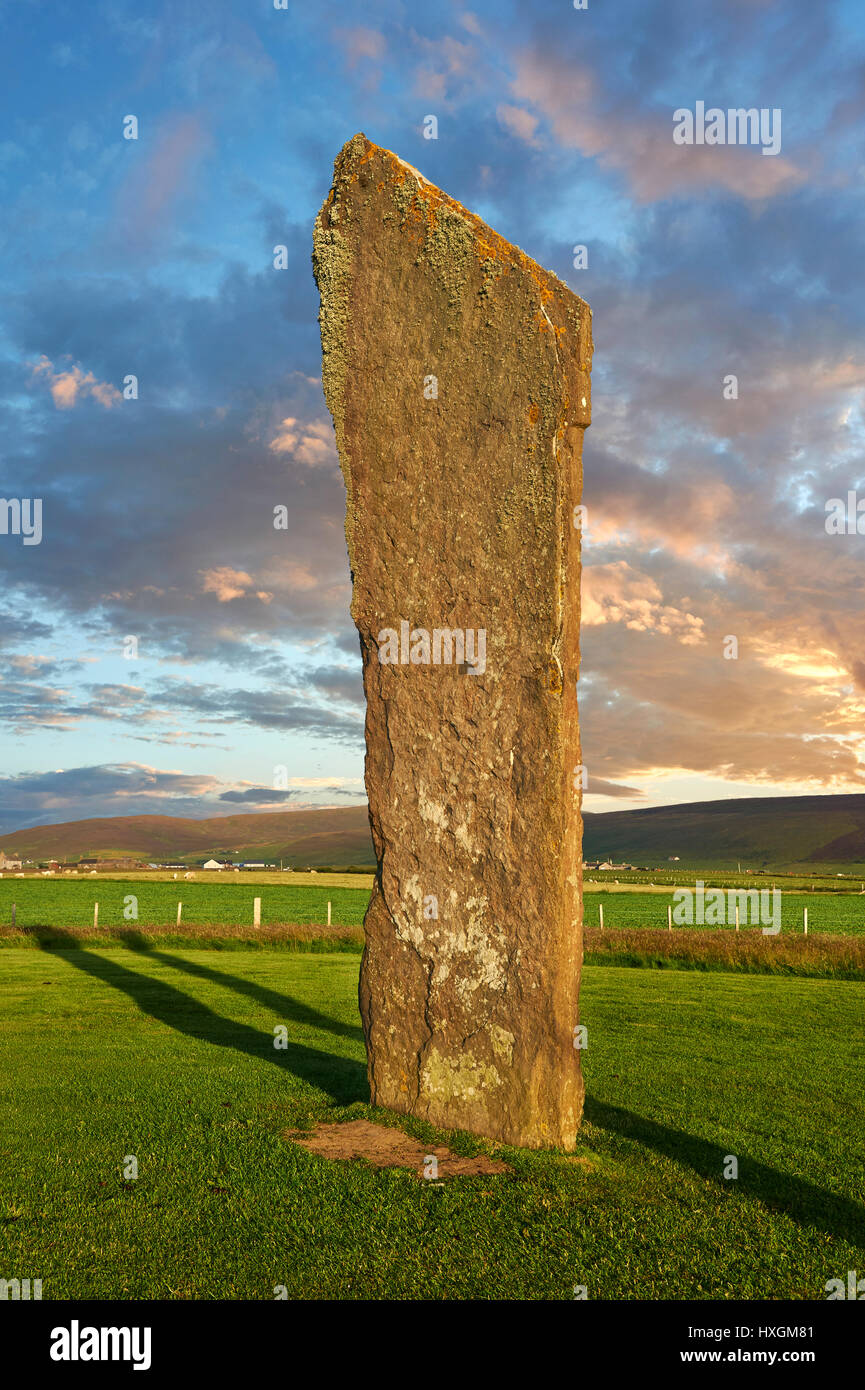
(615, 593)
(136, 789)
(258, 796)
(360, 43)
(638, 145)
(68, 386)
(597, 786)
(32, 798)
(161, 170)
(312, 444)
(228, 584)
(519, 122)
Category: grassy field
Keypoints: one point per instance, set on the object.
(595, 880)
(839, 914)
(69, 902)
(127, 902)
(168, 1056)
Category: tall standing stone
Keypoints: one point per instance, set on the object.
(457, 374)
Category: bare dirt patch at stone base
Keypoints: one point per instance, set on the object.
(390, 1148)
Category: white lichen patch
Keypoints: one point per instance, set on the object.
(481, 959)
(431, 812)
(462, 837)
(461, 1078)
(406, 913)
(503, 1044)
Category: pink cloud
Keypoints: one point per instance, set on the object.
(639, 146)
(361, 43)
(228, 584)
(311, 444)
(518, 121)
(615, 593)
(68, 386)
(159, 175)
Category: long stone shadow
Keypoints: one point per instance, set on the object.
(283, 1004)
(341, 1078)
(802, 1201)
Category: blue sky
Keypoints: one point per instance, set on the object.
(154, 257)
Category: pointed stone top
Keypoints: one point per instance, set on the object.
(361, 160)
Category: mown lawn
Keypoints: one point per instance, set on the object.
(168, 1055)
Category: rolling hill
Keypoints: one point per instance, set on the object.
(761, 832)
(337, 836)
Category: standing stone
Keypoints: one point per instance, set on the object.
(457, 374)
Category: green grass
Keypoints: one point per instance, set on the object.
(69, 903)
(849, 881)
(837, 914)
(168, 1055)
(64, 902)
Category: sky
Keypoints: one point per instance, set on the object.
(165, 649)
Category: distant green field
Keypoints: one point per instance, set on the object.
(674, 877)
(63, 902)
(838, 914)
(129, 903)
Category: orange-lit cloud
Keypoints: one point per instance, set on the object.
(228, 584)
(311, 444)
(69, 386)
(615, 593)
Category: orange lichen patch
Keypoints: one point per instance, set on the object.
(489, 245)
(534, 414)
(368, 154)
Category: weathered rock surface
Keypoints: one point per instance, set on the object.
(457, 374)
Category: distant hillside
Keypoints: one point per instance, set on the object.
(761, 832)
(338, 836)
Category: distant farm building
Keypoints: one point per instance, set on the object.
(215, 864)
(9, 861)
(111, 866)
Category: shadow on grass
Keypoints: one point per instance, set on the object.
(341, 1078)
(802, 1201)
(282, 1004)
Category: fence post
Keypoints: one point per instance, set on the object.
(179, 910)
(96, 914)
(13, 914)
(805, 919)
(737, 916)
(328, 914)
(669, 918)
(601, 914)
(256, 912)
